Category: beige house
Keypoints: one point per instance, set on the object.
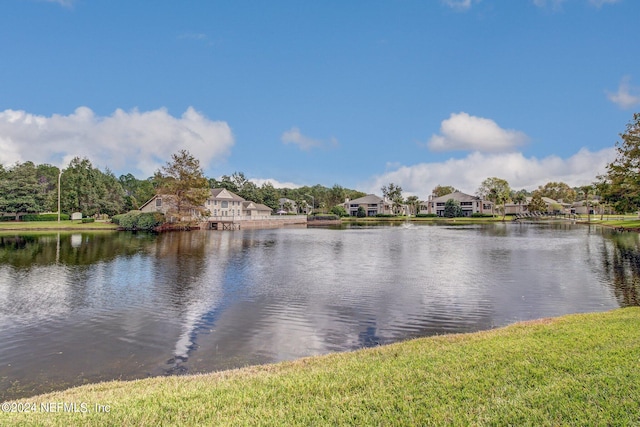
(469, 204)
(553, 206)
(222, 204)
(372, 205)
(287, 205)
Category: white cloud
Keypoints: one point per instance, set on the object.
(277, 184)
(627, 96)
(136, 142)
(464, 132)
(467, 173)
(294, 136)
(460, 5)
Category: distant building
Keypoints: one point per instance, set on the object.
(372, 205)
(468, 203)
(221, 204)
(287, 205)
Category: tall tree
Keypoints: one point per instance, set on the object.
(20, 191)
(558, 191)
(496, 190)
(82, 188)
(47, 176)
(270, 196)
(112, 197)
(336, 196)
(587, 193)
(414, 203)
(393, 193)
(623, 174)
(519, 197)
(537, 204)
(443, 190)
(452, 208)
(183, 179)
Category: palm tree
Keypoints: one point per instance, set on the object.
(587, 190)
(519, 198)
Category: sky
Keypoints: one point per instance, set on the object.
(356, 93)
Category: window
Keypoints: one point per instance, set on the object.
(158, 203)
(466, 203)
(440, 204)
(224, 204)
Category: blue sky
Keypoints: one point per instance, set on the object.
(358, 93)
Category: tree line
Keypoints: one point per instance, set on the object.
(30, 188)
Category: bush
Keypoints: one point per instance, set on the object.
(44, 217)
(136, 220)
(431, 215)
(385, 215)
(325, 217)
(339, 211)
(87, 220)
(480, 215)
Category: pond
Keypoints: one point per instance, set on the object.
(79, 308)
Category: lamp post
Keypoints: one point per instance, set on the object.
(313, 202)
(59, 177)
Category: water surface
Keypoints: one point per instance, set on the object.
(77, 308)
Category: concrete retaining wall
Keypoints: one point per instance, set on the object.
(267, 222)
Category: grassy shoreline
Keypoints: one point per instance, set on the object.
(55, 226)
(579, 369)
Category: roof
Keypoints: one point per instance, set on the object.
(368, 199)
(224, 194)
(247, 205)
(456, 195)
(147, 202)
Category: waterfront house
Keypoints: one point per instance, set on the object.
(372, 205)
(221, 204)
(468, 203)
(552, 206)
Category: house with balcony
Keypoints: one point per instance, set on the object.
(372, 205)
(221, 204)
(468, 203)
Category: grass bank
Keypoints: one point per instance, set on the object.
(574, 370)
(55, 225)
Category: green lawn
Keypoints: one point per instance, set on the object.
(574, 370)
(55, 225)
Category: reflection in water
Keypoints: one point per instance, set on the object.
(87, 307)
(620, 255)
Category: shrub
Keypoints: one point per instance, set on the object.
(480, 215)
(361, 213)
(325, 217)
(380, 215)
(339, 211)
(45, 217)
(87, 220)
(431, 215)
(136, 220)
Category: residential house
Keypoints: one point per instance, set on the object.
(468, 203)
(253, 210)
(221, 204)
(287, 205)
(372, 205)
(553, 206)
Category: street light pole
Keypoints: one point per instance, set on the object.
(59, 176)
